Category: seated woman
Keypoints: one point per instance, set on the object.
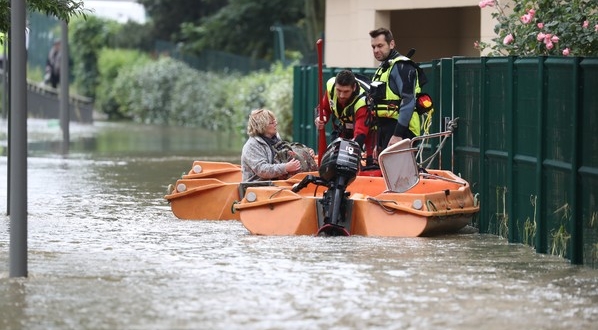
(258, 161)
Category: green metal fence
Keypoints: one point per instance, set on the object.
(525, 140)
(211, 60)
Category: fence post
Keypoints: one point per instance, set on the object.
(446, 104)
(485, 195)
(298, 104)
(510, 148)
(541, 241)
(576, 215)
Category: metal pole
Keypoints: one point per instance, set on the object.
(5, 75)
(280, 40)
(6, 101)
(18, 142)
(64, 87)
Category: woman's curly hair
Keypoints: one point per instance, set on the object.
(259, 120)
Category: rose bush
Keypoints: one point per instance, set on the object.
(543, 27)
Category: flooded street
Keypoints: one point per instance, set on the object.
(106, 252)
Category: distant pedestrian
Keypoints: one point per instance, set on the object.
(52, 75)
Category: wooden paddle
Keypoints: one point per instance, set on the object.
(321, 131)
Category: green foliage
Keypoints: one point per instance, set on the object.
(87, 38)
(130, 35)
(272, 90)
(243, 27)
(145, 93)
(544, 27)
(250, 95)
(167, 91)
(110, 63)
(62, 9)
(315, 11)
(198, 100)
(35, 73)
(166, 18)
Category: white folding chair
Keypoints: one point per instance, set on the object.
(399, 167)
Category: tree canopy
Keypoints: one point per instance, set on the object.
(242, 27)
(168, 15)
(62, 9)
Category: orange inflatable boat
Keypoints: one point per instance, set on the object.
(206, 191)
(403, 202)
(209, 190)
(399, 199)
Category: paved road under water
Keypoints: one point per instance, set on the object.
(105, 252)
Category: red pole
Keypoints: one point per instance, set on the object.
(322, 131)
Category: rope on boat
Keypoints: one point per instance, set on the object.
(450, 127)
(277, 192)
(431, 206)
(476, 199)
(434, 176)
(384, 207)
(273, 195)
(427, 122)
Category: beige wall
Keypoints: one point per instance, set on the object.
(435, 28)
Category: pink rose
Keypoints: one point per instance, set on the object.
(554, 39)
(540, 26)
(531, 13)
(476, 45)
(596, 28)
(526, 19)
(566, 51)
(549, 45)
(486, 3)
(541, 36)
(585, 24)
(508, 39)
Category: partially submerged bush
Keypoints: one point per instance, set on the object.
(167, 91)
(110, 63)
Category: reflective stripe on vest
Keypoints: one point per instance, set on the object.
(392, 99)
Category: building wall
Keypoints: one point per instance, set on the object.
(435, 28)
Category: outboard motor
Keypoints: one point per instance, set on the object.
(338, 169)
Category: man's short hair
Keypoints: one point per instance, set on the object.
(386, 32)
(345, 78)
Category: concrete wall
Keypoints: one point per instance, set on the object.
(435, 28)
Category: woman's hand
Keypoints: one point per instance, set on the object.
(292, 166)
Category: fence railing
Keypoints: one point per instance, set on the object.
(526, 141)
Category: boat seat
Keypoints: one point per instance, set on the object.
(399, 167)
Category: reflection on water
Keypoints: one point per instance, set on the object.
(114, 139)
(105, 252)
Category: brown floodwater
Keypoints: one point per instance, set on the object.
(106, 252)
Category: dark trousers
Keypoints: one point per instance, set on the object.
(386, 129)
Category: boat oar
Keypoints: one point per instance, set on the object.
(321, 131)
